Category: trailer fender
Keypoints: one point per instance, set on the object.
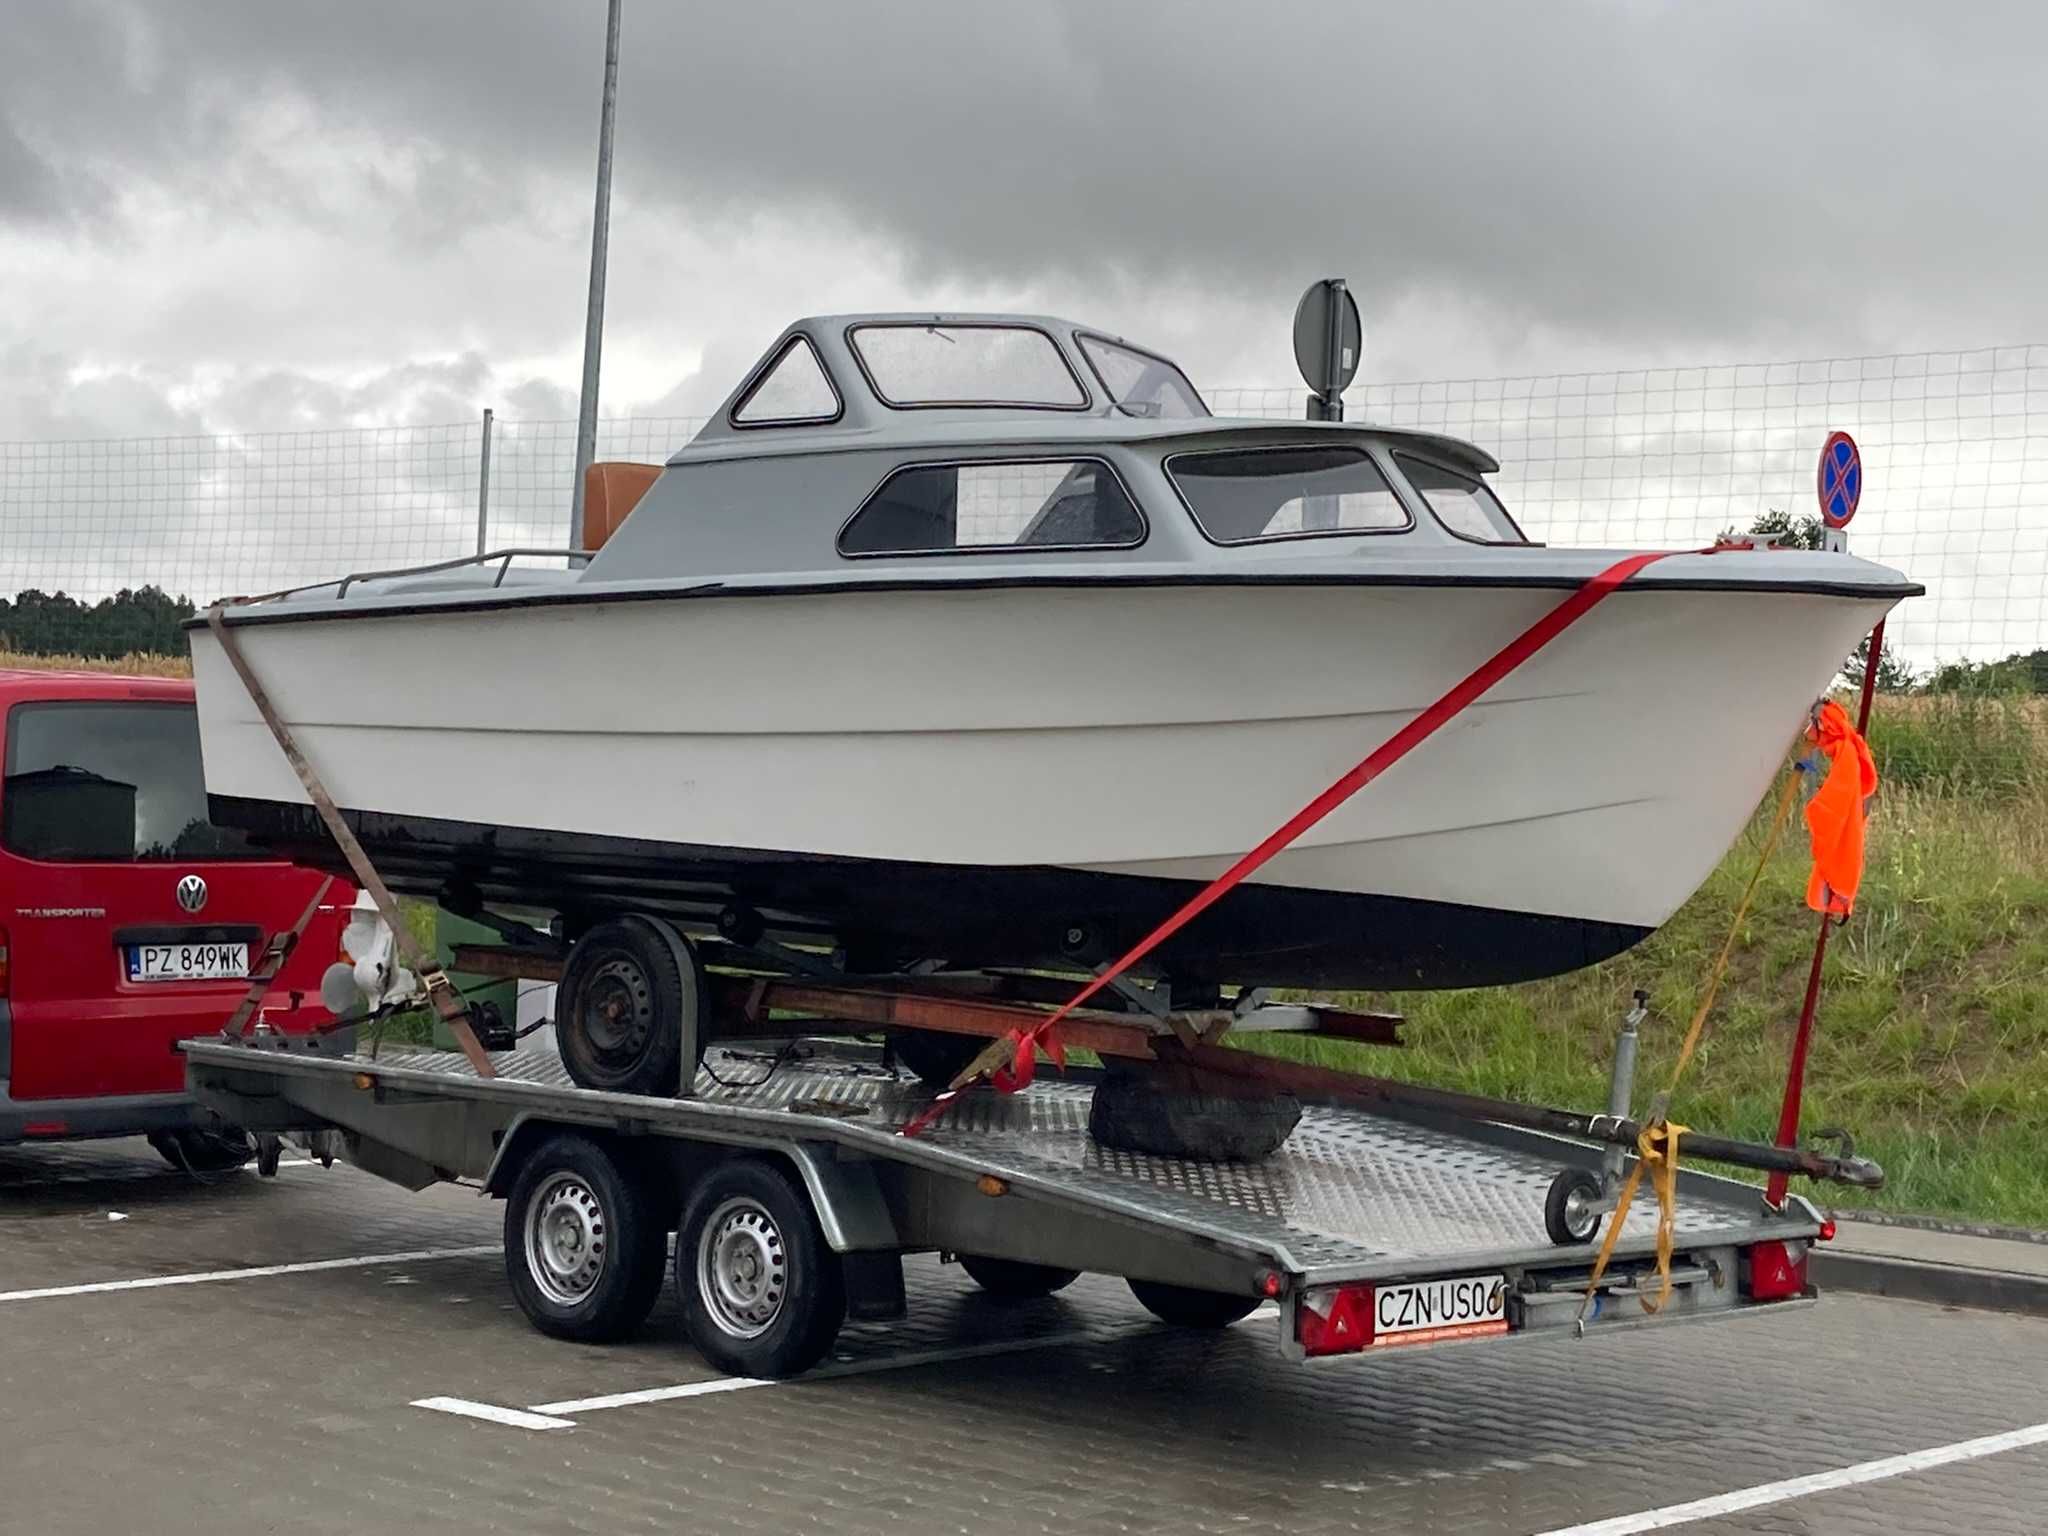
(847, 1197)
(845, 1193)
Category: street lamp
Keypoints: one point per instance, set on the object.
(593, 320)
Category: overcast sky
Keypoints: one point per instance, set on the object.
(250, 214)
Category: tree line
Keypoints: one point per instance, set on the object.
(145, 620)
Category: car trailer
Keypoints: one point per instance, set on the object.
(1387, 1214)
(794, 1198)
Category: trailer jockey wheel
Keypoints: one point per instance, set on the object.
(628, 1012)
(1185, 1307)
(762, 1292)
(1572, 1211)
(1015, 1280)
(585, 1245)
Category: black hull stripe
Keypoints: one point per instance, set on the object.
(504, 599)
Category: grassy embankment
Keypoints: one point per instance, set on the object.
(1932, 1041)
(1932, 1044)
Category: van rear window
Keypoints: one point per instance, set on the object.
(109, 782)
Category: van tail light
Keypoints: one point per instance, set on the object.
(3, 962)
(1334, 1320)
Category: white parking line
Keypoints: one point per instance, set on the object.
(492, 1414)
(549, 1415)
(255, 1272)
(1817, 1482)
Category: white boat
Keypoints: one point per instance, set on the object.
(977, 641)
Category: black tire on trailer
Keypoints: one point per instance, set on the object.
(196, 1150)
(1015, 1280)
(1135, 1111)
(1570, 1213)
(1186, 1307)
(628, 1011)
(585, 1243)
(762, 1292)
(934, 1056)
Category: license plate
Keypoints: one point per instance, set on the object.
(1440, 1309)
(188, 962)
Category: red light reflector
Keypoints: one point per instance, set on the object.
(1336, 1320)
(1771, 1272)
(1269, 1284)
(1827, 1230)
(44, 1128)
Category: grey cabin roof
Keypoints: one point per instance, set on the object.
(866, 422)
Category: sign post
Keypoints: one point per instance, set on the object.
(1840, 485)
(1328, 344)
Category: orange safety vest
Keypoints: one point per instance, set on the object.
(1834, 816)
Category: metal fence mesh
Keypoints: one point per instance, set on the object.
(1955, 447)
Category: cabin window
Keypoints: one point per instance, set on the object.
(1140, 383)
(1244, 495)
(930, 509)
(1462, 503)
(973, 365)
(794, 388)
(116, 781)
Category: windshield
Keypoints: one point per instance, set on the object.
(928, 365)
(1141, 384)
(1461, 503)
(1242, 496)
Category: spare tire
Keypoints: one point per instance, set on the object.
(1137, 1112)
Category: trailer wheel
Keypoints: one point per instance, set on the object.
(1185, 1307)
(1571, 1213)
(628, 1009)
(935, 1057)
(762, 1293)
(1014, 1280)
(584, 1242)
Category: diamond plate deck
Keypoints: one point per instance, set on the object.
(1351, 1193)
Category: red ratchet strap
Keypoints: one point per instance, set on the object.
(1397, 746)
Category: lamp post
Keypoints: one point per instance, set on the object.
(593, 320)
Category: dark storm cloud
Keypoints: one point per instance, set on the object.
(1705, 175)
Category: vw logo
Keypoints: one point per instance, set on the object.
(191, 893)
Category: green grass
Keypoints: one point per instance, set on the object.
(1932, 1039)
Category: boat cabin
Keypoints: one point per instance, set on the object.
(965, 440)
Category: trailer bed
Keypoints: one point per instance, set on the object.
(1352, 1197)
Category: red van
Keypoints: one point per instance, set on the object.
(128, 921)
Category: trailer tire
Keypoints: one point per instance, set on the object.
(935, 1057)
(1015, 1280)
(761, 1290)
(585, 1245)
(629, 1009)
(1185, 1307)
(1566, 1214)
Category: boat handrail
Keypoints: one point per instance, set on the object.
(507, 556)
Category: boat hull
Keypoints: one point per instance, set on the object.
(966, 775)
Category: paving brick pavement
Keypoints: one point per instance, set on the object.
(284, 1403)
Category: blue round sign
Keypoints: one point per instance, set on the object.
(1841, 479)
